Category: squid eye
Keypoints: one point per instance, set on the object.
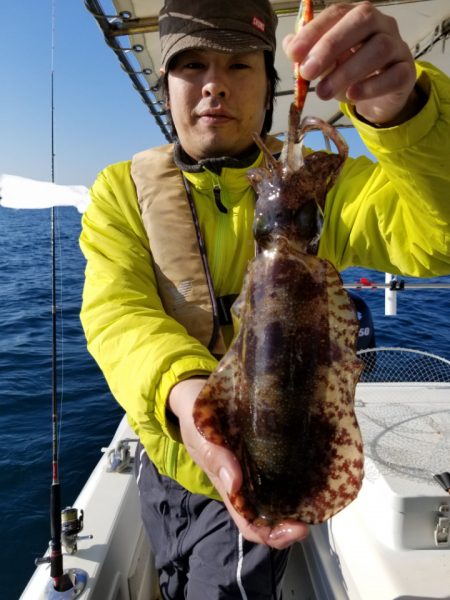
(261, 226)
(308, 220)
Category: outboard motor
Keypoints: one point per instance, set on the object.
(366, 335)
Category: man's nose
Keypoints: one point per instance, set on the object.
(214, 85)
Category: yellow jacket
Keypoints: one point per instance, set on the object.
(393, 216)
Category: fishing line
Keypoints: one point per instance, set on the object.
(61, 339)
(53, 211)
(55, 432)
(52, 92)
(56, 231)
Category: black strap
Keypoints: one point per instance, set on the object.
(224, 304)
(202, 248)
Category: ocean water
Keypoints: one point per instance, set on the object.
(89, 414)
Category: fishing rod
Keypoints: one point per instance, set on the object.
(63, 584)
(56, 560)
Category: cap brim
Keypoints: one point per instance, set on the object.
(228, 42)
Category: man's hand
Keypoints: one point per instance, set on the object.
(223, 469)
(357, 53)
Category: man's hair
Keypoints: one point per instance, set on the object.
(272, 77)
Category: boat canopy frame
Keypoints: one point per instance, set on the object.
(130, 29)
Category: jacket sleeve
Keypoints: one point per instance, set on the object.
(394, 215)
(141, 350)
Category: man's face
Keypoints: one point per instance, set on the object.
(217, 101)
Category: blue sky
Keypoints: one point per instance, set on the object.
(99, 117)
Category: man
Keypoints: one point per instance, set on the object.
(168, 236)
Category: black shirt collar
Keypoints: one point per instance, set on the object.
(188, 164)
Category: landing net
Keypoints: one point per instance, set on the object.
(402, 365)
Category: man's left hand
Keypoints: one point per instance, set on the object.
(359, 56)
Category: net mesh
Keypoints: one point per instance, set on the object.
(383, 365)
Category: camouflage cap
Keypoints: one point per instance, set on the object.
(230, 26)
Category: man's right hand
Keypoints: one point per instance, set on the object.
(223, 469)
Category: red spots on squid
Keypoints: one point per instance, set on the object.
(353, 481)
(344, 494)
(358, 464)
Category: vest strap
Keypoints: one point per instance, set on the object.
(180, 270)
(177, 248)
(224, 304)
(201, 244)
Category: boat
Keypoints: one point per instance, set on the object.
(393, 541)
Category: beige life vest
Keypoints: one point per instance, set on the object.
(181, 268)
